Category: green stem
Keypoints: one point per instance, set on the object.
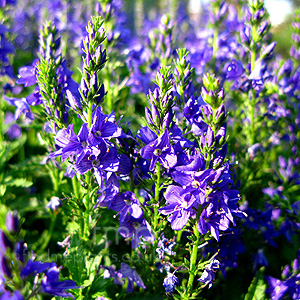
(90, 111)
(34, 292)
(208, 159)
(252, 100)
(54, 174)
(75, 187)
(252, 118)
(50, 233)
(157, 190)
(193, 269)
(156, 201)
(1, 120)
(87, 182)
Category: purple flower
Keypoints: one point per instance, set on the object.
(132, 276)
(12, 221)
(103, 159)
(111, 272)
(27, 75)
(192, 179)
(11, 296)
(14, 131)
(165, 246)
(103, 127)
(160, 150)
(259, 74)
(212, 221)
(62, 139)
(54, 203)
(51, 284)
(127, 203)
(234, 69)
(137, 229)
(78, 144)
(180, 206)
(34, 267)
(22, 107)
(107, 194)
(21, 251)
(207, 277)
(277, 288)
(170, 282)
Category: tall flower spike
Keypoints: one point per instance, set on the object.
(91, 90)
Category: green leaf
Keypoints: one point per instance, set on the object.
(257, 288)
(75, 261)
(97, 288)
(19, 182)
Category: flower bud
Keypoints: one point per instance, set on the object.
(207, 96)
(4, 267)
(267, 51)
(221, 134)
(4, 242)
(100, 56)
(94, 83)
(155, 113)
(12, 221)
(101, 94)
(167, 120)
(220, 113)
(21, 251)
(223, 9)
(209, 139)
(245, 34)
(74, 102)
(148, 115)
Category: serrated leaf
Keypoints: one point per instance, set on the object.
(186, 262)
(19, 182)
(8, 150)
(257, 288)
(75, 261)
(97, 288)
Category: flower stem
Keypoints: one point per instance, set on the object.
(87, 182)
(50, 232)
(75, 187)
(1, 120)
(156, 203)
(193, 269)
(157, 190)
(252, 102)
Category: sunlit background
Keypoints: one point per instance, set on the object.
(280, 15)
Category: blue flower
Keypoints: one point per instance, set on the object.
(51, 284)
(170, 282)
(180, 206)
(160, 150)
(277, 288)
(127, 203)
(34, 267)
(11, 296)
(132, 276)
(54, 203)
(22, 107)
(207, 277)
(137, 229)
(234, 70)
(165, 246)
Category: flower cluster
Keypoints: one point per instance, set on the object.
(166, 147)
(17, 267)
